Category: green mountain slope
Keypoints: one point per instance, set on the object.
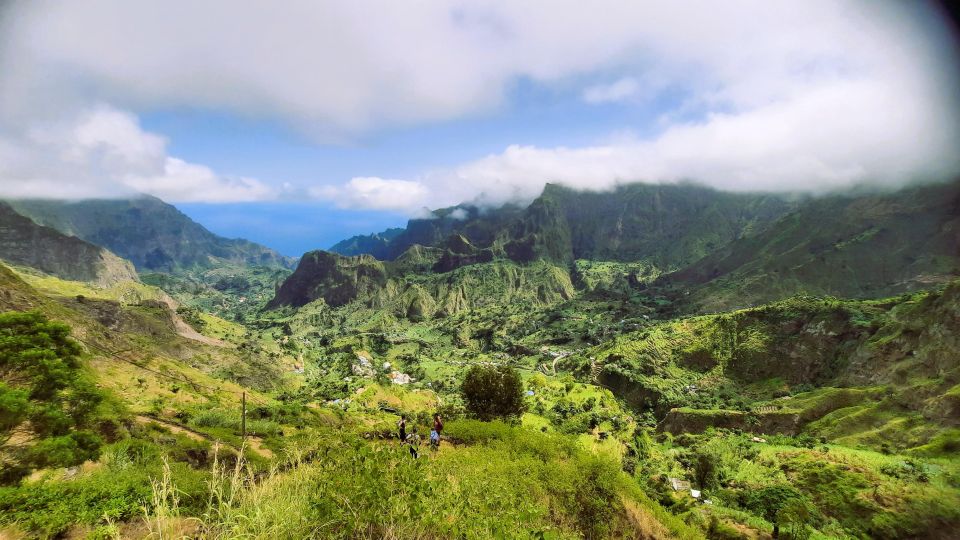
(339, 281)
(854, 246)
(666, 225)
(23, 242)
(887, 370)
(148, 232)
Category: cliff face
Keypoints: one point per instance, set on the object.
(24, 243)
(338, 280)
(731, 250)
(147, 231)
(669, 226)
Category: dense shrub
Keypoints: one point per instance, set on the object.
(493, 392)
(118, 492)
(45, 392)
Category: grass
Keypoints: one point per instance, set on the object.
(500, 481)
(127, 292)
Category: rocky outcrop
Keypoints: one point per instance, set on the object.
(340, 280)
(336, 279)
(458, 251)
(24, 243)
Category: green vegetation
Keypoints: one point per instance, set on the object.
(514, 483)
(48, 404)
(586, 392)
(493, 392)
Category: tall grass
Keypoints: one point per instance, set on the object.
(507, 483)
(162, 517)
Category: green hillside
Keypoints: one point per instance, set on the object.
(148, 232)
(855, 246)
(824, 405)
(169, 460)
(23, 242)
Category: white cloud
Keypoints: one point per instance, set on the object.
(344, 67)
(458, 214)
(823, 140)
(103, 152)
(375, 193)
(620, 90)
(786, 95)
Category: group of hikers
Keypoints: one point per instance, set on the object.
(413, 439)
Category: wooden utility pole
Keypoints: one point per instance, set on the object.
(243, 419)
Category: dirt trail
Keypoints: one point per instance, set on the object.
(255, 443)
(184, 329)
(187, 331)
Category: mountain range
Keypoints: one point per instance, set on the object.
(731, 250)
(148, 232)
(24, 243)
(749, 347)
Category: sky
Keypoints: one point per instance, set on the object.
(300, 123)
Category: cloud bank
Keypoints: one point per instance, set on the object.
(838, 136)
(812, 95)
(103, 152)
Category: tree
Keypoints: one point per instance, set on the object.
(707, 468)
(781, 504)
(493, 392)
(46, 400)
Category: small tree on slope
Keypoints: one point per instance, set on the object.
(493, 392)
(46, 400)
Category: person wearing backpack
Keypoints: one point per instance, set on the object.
(435, 432)
(413, 440)
(402, 428)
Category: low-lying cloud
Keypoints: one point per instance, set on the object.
(800, 96)
(839, 136)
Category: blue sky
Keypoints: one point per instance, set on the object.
(531, 115)
(299, 127)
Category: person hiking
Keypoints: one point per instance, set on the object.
(435, 432)
(402, 428)
(414, 441)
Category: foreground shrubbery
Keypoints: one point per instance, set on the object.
(802, 488)
(116, 492)
(48, 403)
(505, 482)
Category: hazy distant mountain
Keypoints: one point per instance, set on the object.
(846, 245)
(149, 232)
(25, 243)
(376, 244)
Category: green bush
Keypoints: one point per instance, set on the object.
(43, 390)
(909, 469)
(118, 492)
(214, 418)
(493, 392)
